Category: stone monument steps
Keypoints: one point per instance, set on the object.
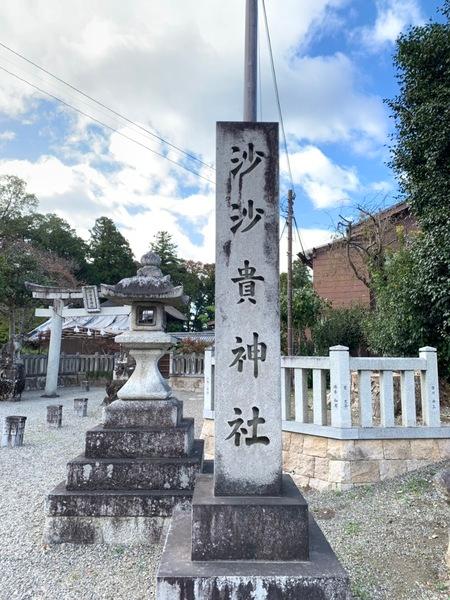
(109, 503)
(122, 414)
(85, 473)
(140, 442)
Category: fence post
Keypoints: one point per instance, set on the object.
(341, 414)
(429, 385)
(286, 379)
(207, 389)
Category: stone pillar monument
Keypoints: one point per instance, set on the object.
(143, 459)
(54, 350)
(249, 534)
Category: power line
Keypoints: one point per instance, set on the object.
(105, 125)
(298, 234)
(280, 112)
(277, 95)
(282, 231)
(187, 154)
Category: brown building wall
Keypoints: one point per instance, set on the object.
(334, 279)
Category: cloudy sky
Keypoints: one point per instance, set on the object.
(175, 67)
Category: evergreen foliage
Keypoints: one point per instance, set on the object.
(110, 255)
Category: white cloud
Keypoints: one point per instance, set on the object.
(326, 184)
(177, 66)
(393, 16)
(7, 136)
(131, 195)
(310, 237)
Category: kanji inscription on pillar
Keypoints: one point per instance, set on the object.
(247, 373)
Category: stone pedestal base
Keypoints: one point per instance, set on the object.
(179, 578)
(249, 527)
(136, 467)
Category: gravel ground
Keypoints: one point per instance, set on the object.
(28, 571)
(391, 537)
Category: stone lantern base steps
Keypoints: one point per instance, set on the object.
(137, 465)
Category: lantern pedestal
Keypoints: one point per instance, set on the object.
(143, 459)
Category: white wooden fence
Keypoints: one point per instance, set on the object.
(328, 410)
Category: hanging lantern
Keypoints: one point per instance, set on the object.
(89, 332)
(76, 329)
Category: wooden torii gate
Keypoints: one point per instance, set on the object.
(57, 313)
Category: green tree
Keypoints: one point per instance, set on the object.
(343, 326)
(14, 199)
(164, 246)
(306, 306)
(110, 255)
(52, 233)
(398, 324)
(196, 278)
(21, 258)
(421, 159)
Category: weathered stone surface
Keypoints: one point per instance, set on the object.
(365, 471)
(133, 474)
(112, 503)
(424, 450)
(145, 413)
(339, 471)
(54, 415)
(315, 446)
(297, 441)
(321, 468)
(392, 468)
(320, 578)
(397, 449)
(249, 528)
(341, 449)
(286, 440)
(247, 375)
(305, 466)
(80, 406)
(128, 531)
(442, 484)
(368, 450)
(104, 442)
(444, 448)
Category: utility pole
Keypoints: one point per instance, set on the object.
(290, 215)
(251, 65)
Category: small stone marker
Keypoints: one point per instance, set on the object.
(85, 385)
(13, 431)
(54, 415)
(80, 406)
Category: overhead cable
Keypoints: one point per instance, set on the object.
(42, 91)
(99, 103)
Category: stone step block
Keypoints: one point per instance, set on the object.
(102, 442)
(85, 473)
(143, 413)
(249, 527)
(321, 577)
(123, 531)
(62, 502)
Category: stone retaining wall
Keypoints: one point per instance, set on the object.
(324, 463)
(187, 383)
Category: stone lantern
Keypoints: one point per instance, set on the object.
(142, 459)
(150, 294)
